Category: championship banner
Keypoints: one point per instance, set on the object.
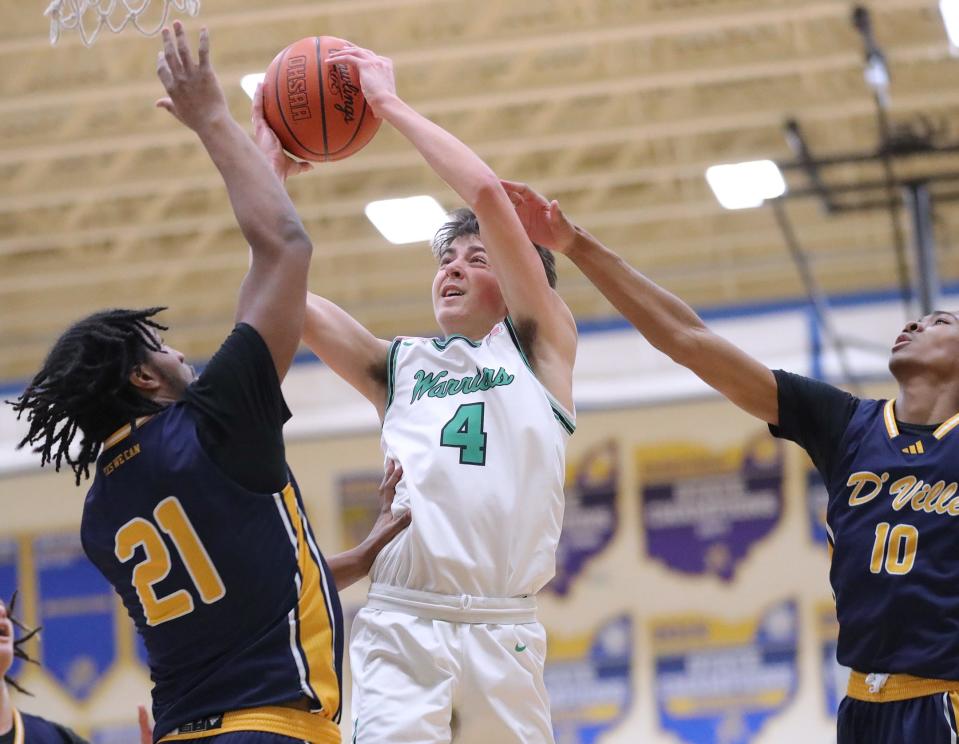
(835, 677)
(358, 495)
(8, 585)
(589, 680)
(719, 682)
(589, 520)
(817, 499)
(76, 610)
(702, 511)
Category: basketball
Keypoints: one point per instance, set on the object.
(317, 110)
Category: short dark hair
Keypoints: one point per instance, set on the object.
(19, 652)
(84, 385)
(462, 222)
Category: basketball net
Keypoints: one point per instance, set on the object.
(89, 17)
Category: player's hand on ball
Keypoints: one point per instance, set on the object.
(377, 80)
(283, 165)
(194, 95)
(543, 220)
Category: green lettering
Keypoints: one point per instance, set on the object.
(424, 382)
(433, 385)
(438, 390)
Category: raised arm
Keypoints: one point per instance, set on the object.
(273, 295)
(666, 321)
(330, 332)
(519, 271)
(348, 348)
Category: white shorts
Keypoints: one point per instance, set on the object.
(422, 679)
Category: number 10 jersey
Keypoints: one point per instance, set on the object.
(482, 445)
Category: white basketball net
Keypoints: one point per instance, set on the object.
(89, 17)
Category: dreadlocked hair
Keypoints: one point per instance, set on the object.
(18, 645)
(84, 386)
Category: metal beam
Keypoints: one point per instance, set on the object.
(926, 271)
(735, 121)
(692, 23)
(652, 80)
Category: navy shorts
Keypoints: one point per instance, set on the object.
(923, 720)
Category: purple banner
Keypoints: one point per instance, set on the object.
(590, 517)
(702, 511)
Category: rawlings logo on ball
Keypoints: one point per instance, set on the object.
(341, 86)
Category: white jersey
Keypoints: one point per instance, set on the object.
(483, 450)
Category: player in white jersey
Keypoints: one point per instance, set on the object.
(448, 647)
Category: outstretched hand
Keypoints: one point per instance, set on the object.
(543, 220)
(283, 165)
(352, 565)
(194, 95)
(387, 526)
(377, 80)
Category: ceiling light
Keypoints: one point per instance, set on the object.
(249, 82)
(950, 17)
(409, 220)
(745, 185)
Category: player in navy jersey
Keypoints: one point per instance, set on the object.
(193, 515)
(892, 473)
(17, 727)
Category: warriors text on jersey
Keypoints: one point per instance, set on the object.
(482, 445)
(892, 518)
(224, 581)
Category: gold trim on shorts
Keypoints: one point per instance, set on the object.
(272, 719)
(897, 687)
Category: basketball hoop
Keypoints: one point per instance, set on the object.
(89, 17)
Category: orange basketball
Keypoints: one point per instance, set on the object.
(317, 110)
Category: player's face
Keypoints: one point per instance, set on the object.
(928, 345)
(6, 641)
(466, 296)
(170, 367)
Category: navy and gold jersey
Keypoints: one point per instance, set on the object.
(893, 508)
(226, 585)
(29, 729)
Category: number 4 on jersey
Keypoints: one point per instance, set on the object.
(465, 432)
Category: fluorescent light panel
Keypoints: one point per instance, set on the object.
(410, 220)
(745, 185)
(249, 82)
(950, 18)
